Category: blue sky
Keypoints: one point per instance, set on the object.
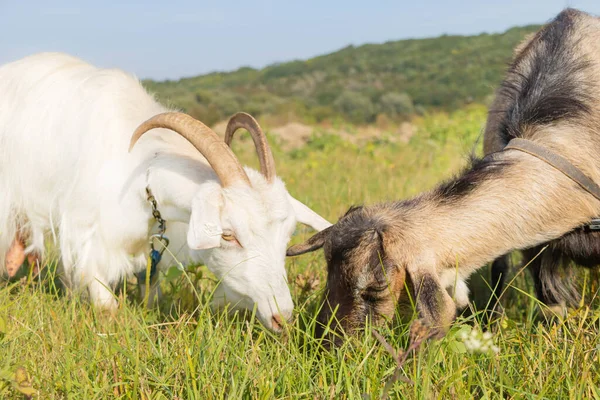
(171, 39)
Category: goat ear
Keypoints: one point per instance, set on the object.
(205, 228)
(392, 248)
(306, 216)
(312, 244)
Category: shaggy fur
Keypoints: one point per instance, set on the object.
(66, 175)
(510, 200)
(552, 83)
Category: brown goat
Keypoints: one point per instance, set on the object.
(508, 200)
(581, 245)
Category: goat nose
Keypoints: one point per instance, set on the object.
(277, 321)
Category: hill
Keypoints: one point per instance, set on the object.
(395, 79)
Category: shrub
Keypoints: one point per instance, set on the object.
(396, 104)
(355, 107)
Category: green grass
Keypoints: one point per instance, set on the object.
(187, 351)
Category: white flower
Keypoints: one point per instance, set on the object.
(479, 342)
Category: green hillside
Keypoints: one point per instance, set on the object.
(396, 79)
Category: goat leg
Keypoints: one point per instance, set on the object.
(553, 291)
(500, 268)
(436, 308)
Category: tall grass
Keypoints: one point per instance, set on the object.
(186, 351)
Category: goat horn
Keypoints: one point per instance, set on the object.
(265, 156)
(217, 153)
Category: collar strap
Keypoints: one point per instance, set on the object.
(558, 162)
(563, 165)
(162, 224)
(594, 225)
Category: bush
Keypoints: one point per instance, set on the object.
(209, 115)
(227, 103)
(396, 104)
(321, 113)
(355, 107)
(203, 97)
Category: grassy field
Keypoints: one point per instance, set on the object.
(62, 348)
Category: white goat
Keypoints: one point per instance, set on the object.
(65, 172)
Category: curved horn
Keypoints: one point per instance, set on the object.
(217, 153)
(246, 121)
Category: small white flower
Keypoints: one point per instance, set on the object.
(479, 342)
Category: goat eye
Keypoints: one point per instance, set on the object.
(378, 289)
(369, 298)
(230, 237)
(374, 294)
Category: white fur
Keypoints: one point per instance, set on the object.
(66, 174)
(456, 286)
